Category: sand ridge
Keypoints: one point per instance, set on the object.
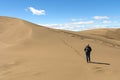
(13, 31)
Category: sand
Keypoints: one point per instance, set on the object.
(32, 52)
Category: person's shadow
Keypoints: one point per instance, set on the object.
(99, 63)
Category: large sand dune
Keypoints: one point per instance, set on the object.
(33, 52)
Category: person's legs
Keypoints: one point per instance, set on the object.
(87, 57)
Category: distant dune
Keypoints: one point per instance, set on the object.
(110, 33)
(32, 52)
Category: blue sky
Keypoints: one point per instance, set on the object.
(65, 14)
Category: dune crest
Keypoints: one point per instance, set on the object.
(13, 31)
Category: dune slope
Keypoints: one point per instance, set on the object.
(33, 52)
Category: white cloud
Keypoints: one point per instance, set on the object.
(75, 26)
(100, 17)
(99, 26)
(78, 25)
(83, 22)
(106, 22)
(36, 11)
(78, 19)
(74, 19)
(115, 22)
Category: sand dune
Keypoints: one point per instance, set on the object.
(13, 31)
(32, 52)
(110, 33)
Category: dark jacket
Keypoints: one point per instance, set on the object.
(88, 49)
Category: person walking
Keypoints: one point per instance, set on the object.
(88, 50)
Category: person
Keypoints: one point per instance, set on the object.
(88, 50)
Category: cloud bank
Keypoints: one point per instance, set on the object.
(100, 17)
(83, 22)
(87, 23)
(74, 26)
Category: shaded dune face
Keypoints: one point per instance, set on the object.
(13, 31)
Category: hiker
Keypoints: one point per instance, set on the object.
(87, 50)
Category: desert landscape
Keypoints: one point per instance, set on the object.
(33, 52)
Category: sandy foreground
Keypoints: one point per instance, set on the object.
(33, 52)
